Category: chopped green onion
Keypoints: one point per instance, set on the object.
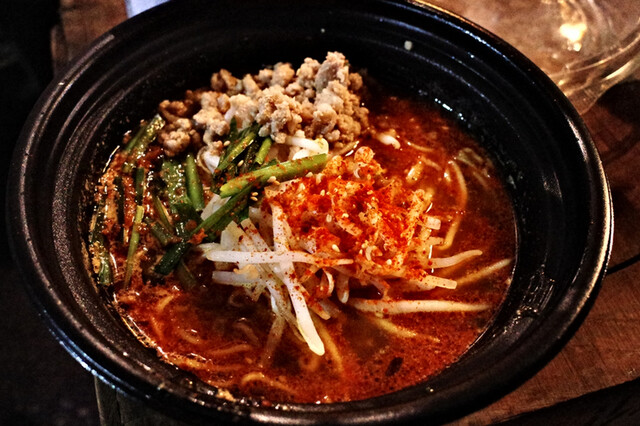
(185, 276)
(133, 245)
(138, 145)
(263, 151)
(237, 214)
(172, 256)
(134, 140)
(186, 212)
(223, 211)
(159, 231)
(236, 148)
(139, 184)
(280, 172)
(174, 177)
(162, 213)
(249, 159)
(233, 130)
(105, 276)
(194, 185)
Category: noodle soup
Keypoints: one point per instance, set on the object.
(290, 236)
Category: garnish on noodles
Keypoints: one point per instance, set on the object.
(282, 241)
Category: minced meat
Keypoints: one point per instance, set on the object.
(321, 99)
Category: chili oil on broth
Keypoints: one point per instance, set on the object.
(225, 337)
(218, 333)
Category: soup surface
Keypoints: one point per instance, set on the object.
(293, 236)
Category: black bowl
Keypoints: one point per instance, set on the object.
(541, 147)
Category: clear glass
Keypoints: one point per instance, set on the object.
(585, 46)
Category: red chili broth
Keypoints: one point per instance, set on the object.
(192, 329)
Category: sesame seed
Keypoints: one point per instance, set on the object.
(240, 163)
(345, 215)
(322, 193)
(271, 179)
(226, 143)
(328, 219)
(309, 175)
(389, 262)
(255, 194)
(335, 248)
(254, 199)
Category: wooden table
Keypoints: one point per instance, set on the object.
(596, 378)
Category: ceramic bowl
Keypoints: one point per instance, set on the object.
(537, 140)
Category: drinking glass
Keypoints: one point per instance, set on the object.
(585, 46)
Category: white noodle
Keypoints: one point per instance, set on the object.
(267, 275)
(451, 233)
(415, 173)
(433, 223)
(484, 272)
(329, 308)
(392, 328)
(416, 209)
(388, 139)
(313, 146)
(381, 285)
(305, 323)
(306, 272)
(274, 337)
(409, 306)
(233, 256)
(482, 180)
(462, 186)
(420, 147)
(231, 350)
(332, 349)
(214, 204)
(342, 287)
(330, 281)
(260, 377)
(445, 262)
(429, 282)
(233, 278)
(345, 149)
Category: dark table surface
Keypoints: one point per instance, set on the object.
(595, 379)
(40, 384)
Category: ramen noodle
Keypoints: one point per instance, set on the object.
(294, 236)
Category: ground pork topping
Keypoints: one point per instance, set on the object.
(334, 68)
(243, 108)
(278, 113)
(178, 138)
(320, 99)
